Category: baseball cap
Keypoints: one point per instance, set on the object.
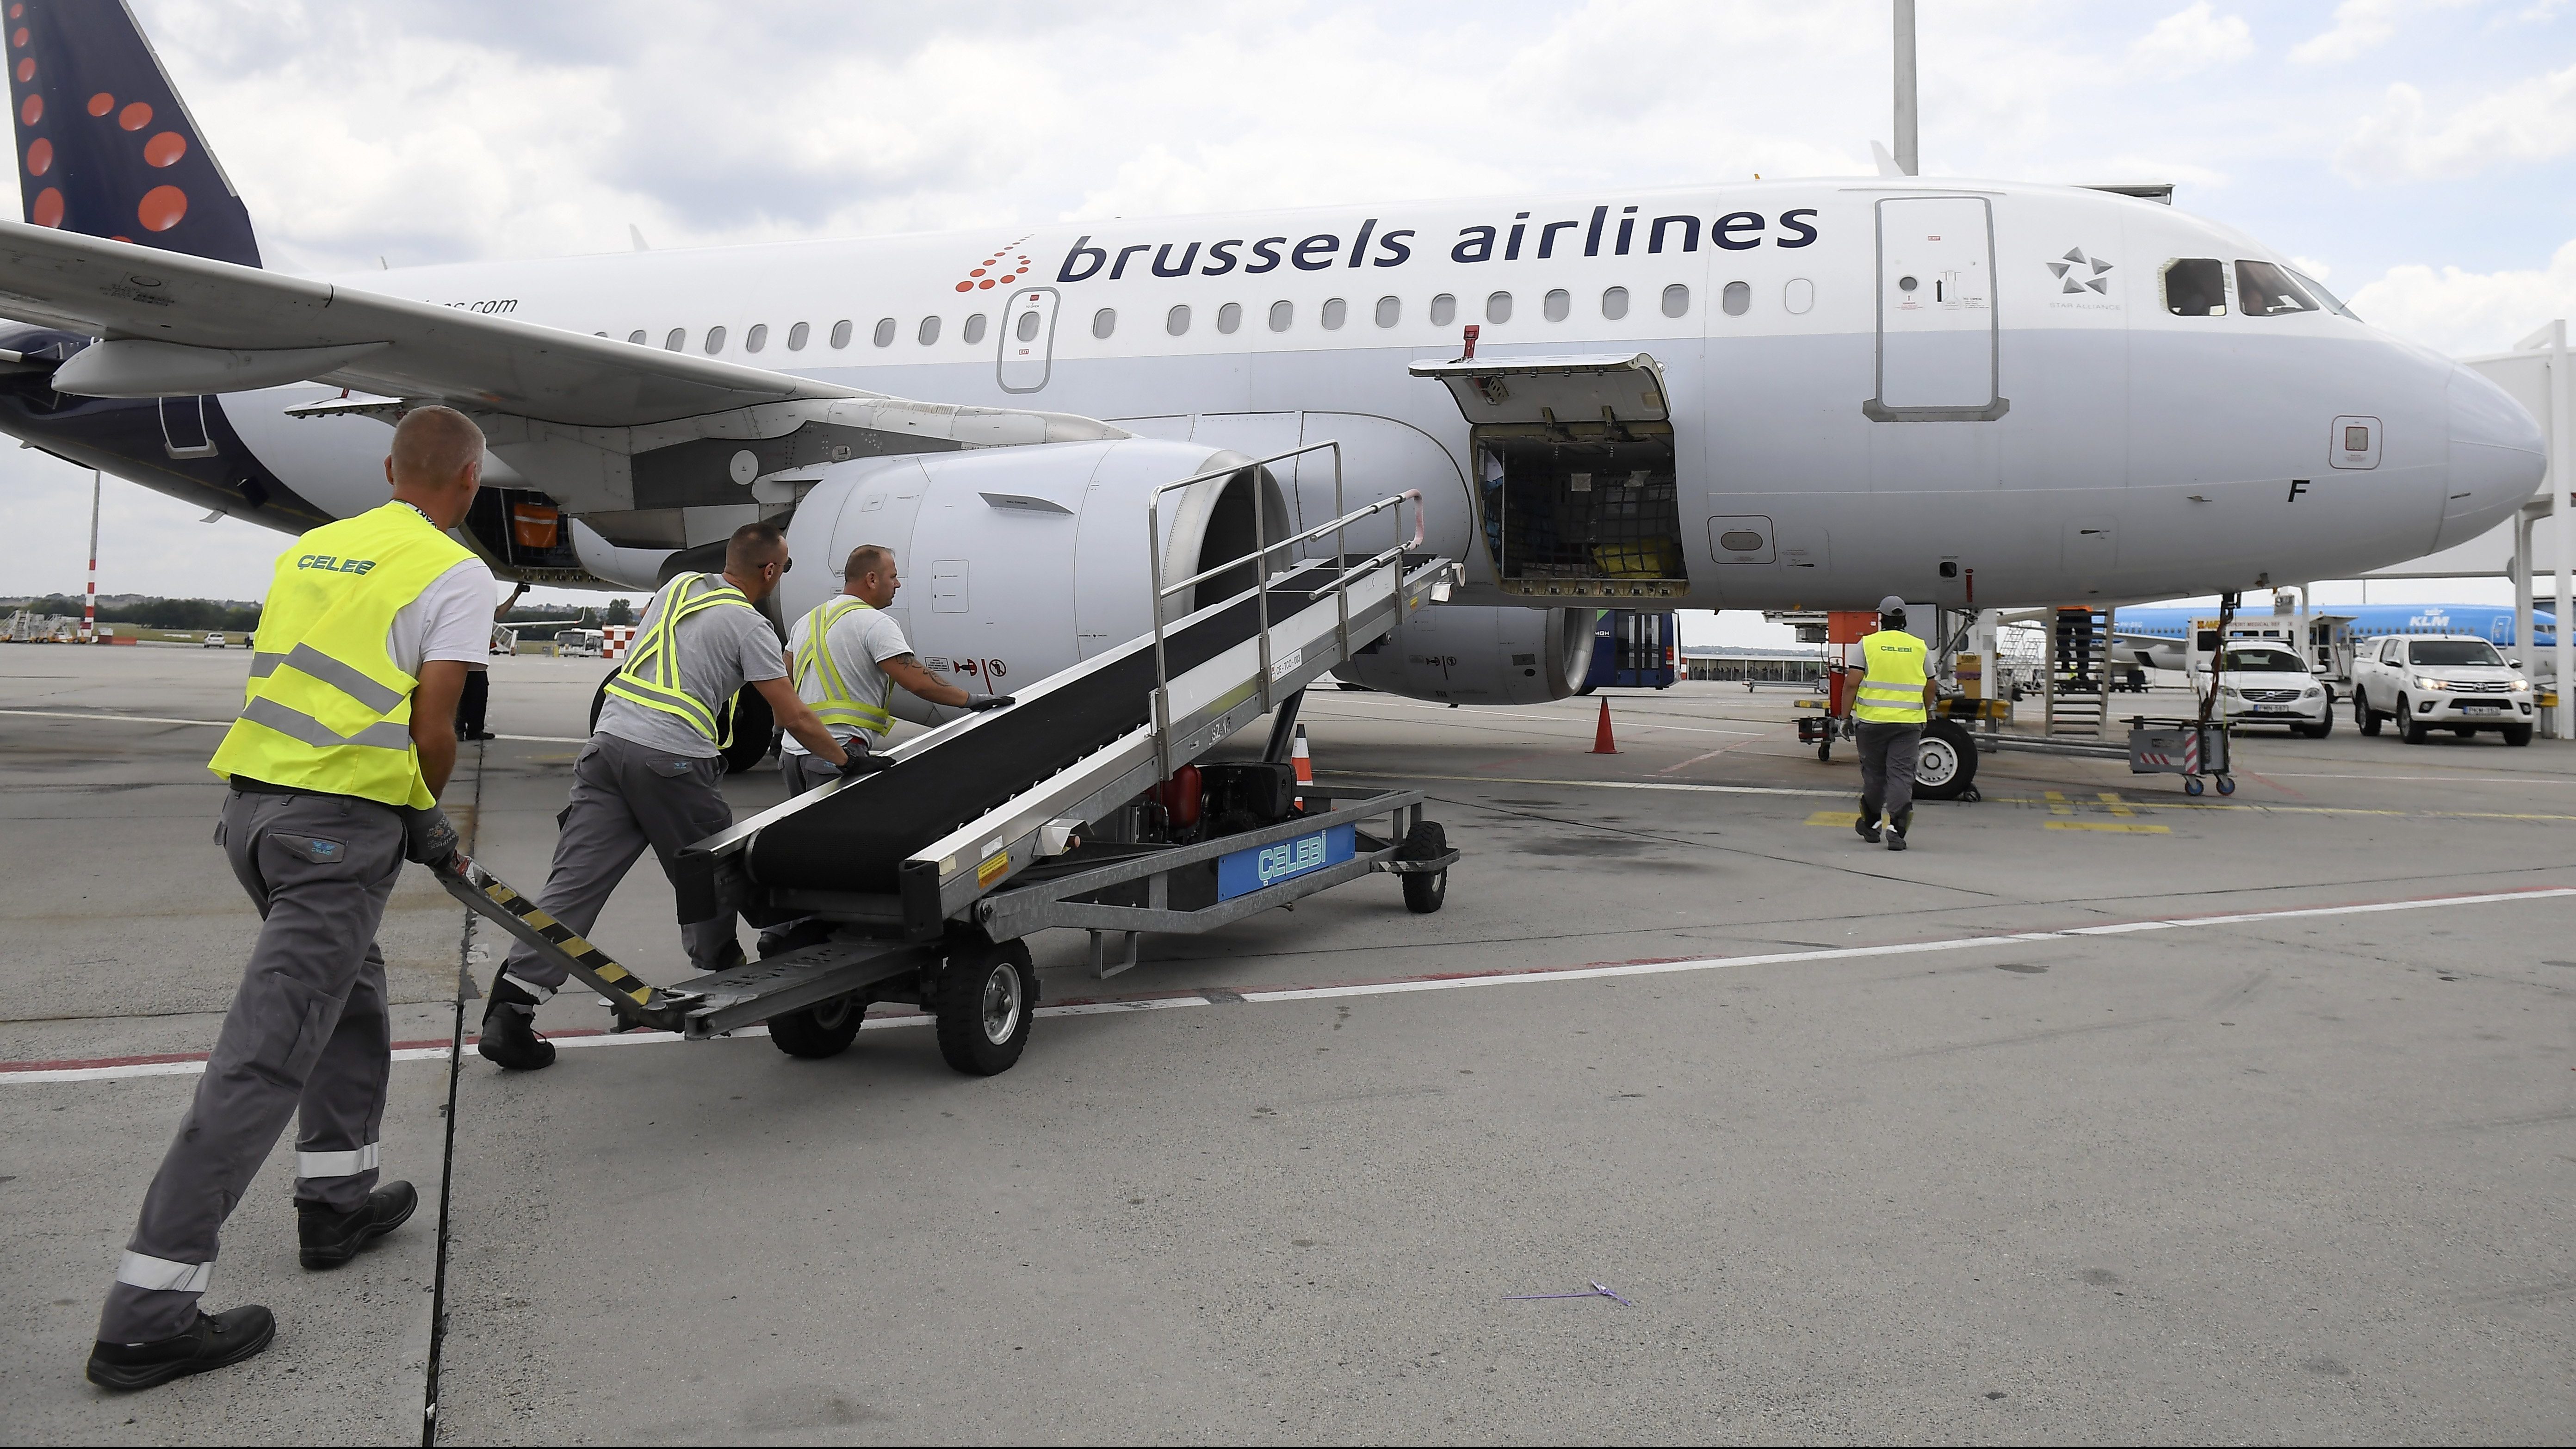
(1891, 605)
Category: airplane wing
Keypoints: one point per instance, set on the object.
(609, 428)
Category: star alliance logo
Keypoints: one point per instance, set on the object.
(2081, 273)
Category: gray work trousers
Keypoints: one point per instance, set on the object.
(1887, 769)
(625, 797)
(307, 1034)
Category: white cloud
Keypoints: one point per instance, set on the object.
(2531, 120)
(2359, 26)
(2460, 312)
(2190, 39)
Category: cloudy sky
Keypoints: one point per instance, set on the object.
(2418, 155)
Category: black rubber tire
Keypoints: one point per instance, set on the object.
(2227, 784)
(822, 1030)
(1951, 735)
(2517, 734)
(1825, 753)
(986, 998)
(1424, 891)
(2408, 728)
(2363, 715)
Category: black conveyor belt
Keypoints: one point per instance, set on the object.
(856, 838)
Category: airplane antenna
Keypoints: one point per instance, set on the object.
(1908, 154)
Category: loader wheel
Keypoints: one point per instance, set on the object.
(986, 997)
(822, 1030)
(1424, 891)
(1945, 761)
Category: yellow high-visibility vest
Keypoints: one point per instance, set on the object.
(840, 704)
(651, 677)
(326, 708)
(1892, 690)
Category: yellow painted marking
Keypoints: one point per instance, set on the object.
(2057, 802)
(2118, 807)
(1840, 819)
(2110, 825)
(991, 870)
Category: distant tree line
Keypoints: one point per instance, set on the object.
(207, 614)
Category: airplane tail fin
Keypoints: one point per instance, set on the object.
(105, 145)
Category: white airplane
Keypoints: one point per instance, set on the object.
(1781, 395)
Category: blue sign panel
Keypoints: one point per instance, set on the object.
(1268, 865)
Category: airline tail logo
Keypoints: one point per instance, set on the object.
(1006, 265)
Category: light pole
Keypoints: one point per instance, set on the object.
(1908, 153)
(89, 602)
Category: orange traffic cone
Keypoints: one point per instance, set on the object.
(1602, 744)
(1305, 764)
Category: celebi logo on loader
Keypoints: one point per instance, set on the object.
(332, 563)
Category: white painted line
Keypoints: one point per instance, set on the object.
(1533, 976)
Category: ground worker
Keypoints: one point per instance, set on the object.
(344, 740)
(849, 655)
(1896, 699)
(651, 772)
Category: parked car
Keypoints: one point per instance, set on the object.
(2426, 682)
(215, 640)
(2268, 684)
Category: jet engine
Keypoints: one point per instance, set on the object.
(1470, 654)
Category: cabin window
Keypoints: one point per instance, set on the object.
(678, 339)
(1498, 307)
(1336, 312)
(1177, 321)
(1444, 310)
(1676, 300)
(757, 338)
(2195, 287)
(1103, 322)
(974, 329)
(841, 333)
(1389, 311)
(928, 332)
(1229, 317)
(884, 335)
(715, 340)
(636, 336)
(1737, 299)
(1282, 314)
(1798, 296)
(1556, 305)
(796, 336)
(1614, 303)
(1027, 327)
(2266, 290)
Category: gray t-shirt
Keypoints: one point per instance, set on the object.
(721, 650)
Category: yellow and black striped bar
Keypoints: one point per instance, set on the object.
(494, 899)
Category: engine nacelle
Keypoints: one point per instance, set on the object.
(1470, 654)
(1020, 562)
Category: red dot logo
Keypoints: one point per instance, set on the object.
(965, 286)
(986, 283)
(18, 37)
(27, 69)
(165, 149)
(17, 10)
(135, 117)
(101, 104)
(162, 207)
(40, 157)
(31, 112)
(48, 210)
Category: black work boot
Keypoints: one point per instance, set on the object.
(329, 1238)
(1897, 827)
(214, 1340)
(510, 1039)
(1865, 825)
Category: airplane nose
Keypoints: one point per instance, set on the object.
(2497, 458)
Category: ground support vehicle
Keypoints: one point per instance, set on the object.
(2194, 749)
(2456, 682)
(1945, 759)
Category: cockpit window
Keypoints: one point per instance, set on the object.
(2452, 651)
(2196, 287)
(2331, 302)
(2266, 290)
(2249, 661)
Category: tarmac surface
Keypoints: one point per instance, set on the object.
(2101, 1115)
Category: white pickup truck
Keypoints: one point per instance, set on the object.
(2454, 682)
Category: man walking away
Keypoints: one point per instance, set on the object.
(652, 770)
(344, 741)
(1896, 699)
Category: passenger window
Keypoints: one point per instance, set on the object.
(1614, 303)
(1229, 317)
(884, 336)
(2195, 287)
(796, 336)
(678, 339)
(1556, 304)
(1027, 327)
(1281, 314)
(928, 332)
(1798, 296)
(2265, 290)
(1103, 322)
(1498, 307)
(1676, 300)
(1336, 312)
(1737, 299)
(757, 338)
(1389, 311)
(974, 329)
(1177, 321)
(715, 340)
(841, 333)
(1444, 310)
(636, 336)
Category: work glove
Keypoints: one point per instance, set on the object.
(989, 701)
(863, 762)
(428, 839)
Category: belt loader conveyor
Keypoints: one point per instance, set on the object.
(926, 874)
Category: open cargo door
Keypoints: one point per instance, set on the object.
(1574, 463)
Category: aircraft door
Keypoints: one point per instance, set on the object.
(1027, 352)
(1937, 337)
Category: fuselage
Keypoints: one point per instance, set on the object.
(1965, 392)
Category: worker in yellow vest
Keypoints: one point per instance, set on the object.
(345, 737)
(653, 770)
(1896, 699)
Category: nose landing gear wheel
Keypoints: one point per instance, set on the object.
(986, 996)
